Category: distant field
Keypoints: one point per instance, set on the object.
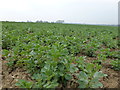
(60, 55)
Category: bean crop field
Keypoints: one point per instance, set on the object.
(51, 55)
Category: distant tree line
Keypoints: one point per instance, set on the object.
(58, 21)
(40, 21)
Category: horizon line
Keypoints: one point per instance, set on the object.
(65, 23)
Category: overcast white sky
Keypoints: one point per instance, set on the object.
(72, 11)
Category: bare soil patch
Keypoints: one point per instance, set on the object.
(10, 78)
(112, 80)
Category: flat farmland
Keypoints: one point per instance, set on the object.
(51, 55)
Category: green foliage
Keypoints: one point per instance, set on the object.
(24, 84)
(49, 52)
(90, 81)
(116, 64)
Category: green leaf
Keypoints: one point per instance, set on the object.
(73, 68)
(83, 75)
(53, 85)
(99, 75)
(68, 76)
(82, 84)
(24, 84)
(97, 85)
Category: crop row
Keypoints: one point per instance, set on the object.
(49, 52)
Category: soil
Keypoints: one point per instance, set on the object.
(10, 78)
(112, 80)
